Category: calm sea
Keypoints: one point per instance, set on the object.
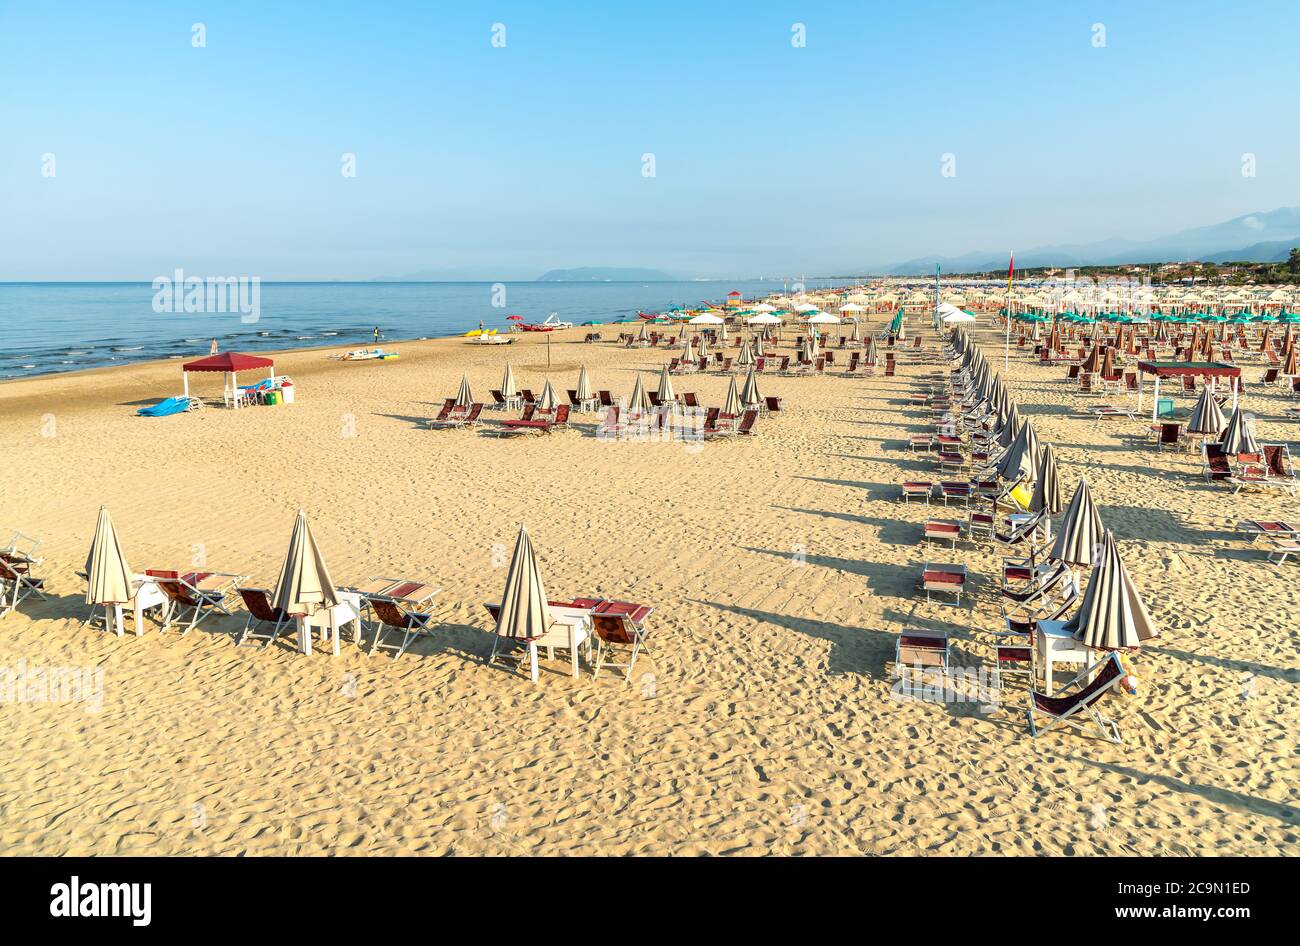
(52, 327)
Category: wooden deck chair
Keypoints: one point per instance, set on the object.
(1080, 707)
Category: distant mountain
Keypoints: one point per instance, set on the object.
(605, 274)
(1226, 240)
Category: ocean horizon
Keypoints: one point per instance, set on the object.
(55, 327)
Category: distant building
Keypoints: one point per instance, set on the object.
(734, 298)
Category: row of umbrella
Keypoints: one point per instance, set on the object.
(304, 585)
(1112, 615)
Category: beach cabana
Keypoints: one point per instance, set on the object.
(230, 364)
(1211, 371)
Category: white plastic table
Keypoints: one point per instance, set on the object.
(347, 611)
(1057, 646)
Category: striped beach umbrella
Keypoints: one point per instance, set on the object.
(1021, 460)
(547, 400)
(1047, 485)
(524, 615)
(463, 397)
(1239, 435)
(749, 395)
(1081, 530)
(746, 356)
(732, 403)
(304, 586)
(1010, 425)
(584, 385)
(639, 402)
(666, 393)
(1112, 616)
(1207, 417)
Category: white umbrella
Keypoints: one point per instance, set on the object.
(639, 402)
(732, 404)
(749, 395)
(547, 400)
(109, 580)
(584, 385)
(508, 387)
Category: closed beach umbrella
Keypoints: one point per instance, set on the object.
(584, 385)
(642, 336)
(759, 347)
(1207, 417)
(1112, 616)
(666, 393)
(524, 614)
(857, 332)
(508, 386)
(722, 334)
(109, 578)
(1020, 462)
(869, 353)
(749, 395)
(1010, 426)
(639, 402)
(463, 397)
(547, 400)
(1081, 529)
(687, 342)
(704, 347)
(732, 404)
(746, 356)
(304, 585)
(1239, 435)
(1047, 485)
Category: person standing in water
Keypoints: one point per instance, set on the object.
(376, 334)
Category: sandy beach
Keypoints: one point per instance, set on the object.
(781, 567)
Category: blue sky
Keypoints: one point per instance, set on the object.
(482, 162)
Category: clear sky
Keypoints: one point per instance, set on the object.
(481, 162)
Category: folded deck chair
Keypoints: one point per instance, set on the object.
(261, 614)
(391, 616)
(1080, 707)
(1023, 625)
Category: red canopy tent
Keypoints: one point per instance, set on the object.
(228, 363)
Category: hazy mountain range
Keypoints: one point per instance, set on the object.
(1257, 237)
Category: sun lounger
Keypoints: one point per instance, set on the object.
(1274, 529)
(956, 491)
(945, 578)
(942, 530)
(1012, 658)
(261, 614)
(1080, 707)
(772, 405)
(920, 649)
(1282, 549)
(917, 489)
(169, 406)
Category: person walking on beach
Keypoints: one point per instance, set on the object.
(376, 334)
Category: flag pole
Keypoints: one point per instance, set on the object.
(1006, 357)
